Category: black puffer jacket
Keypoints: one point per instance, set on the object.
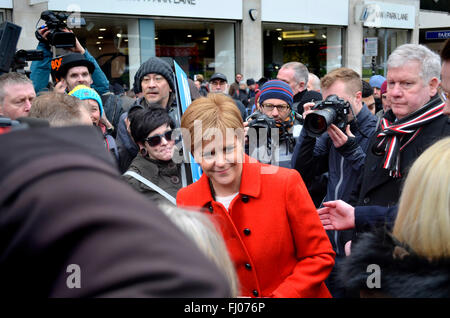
(404, 274)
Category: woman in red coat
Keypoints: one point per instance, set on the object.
(269, 222)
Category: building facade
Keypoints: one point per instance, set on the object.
(253, 37)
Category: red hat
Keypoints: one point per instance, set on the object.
(383, 87)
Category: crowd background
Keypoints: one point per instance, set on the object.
(93, 163)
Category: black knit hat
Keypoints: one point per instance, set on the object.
(62, 64)
(154, 65)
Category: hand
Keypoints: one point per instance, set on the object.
(246, 128)
(337, 136)
(78, 48)
(60, 87)
(337, 215)
(307, 109)
(348, 248)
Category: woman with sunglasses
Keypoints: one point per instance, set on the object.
(153, 171)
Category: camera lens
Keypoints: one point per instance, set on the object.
(316, 123)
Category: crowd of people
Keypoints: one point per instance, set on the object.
(306, 181)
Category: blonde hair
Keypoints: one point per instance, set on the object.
(346, 75)
(423, 220)
(203, 232)
(215, 112)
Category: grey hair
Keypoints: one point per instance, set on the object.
(430, 62)
(198, 227)
(300, 71)
(12, 79)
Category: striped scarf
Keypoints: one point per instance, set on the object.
(395, 136)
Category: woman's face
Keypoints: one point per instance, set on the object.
(162, 150)
(94, 110)
(221, 160)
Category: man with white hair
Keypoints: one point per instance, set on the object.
(313, 83)
(415, 121)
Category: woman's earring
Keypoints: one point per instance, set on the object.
(143, 152)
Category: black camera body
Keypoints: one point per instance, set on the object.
(55, 23)
(259, 120)
(332, 110)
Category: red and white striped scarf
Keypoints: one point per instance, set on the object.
(395, 136)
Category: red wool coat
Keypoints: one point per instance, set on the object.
(272, 231)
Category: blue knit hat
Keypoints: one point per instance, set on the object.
(376, 81)
(83, 92)
(276, 89)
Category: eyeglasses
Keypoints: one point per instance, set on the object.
(280, 108)
(155, 140)
(443, 94)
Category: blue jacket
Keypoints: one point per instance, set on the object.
(40, 72)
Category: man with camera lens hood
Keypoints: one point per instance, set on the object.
(334, 139)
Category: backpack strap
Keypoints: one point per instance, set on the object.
(151, 185)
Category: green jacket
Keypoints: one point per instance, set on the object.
(166, 175)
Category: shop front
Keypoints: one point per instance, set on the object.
(199, 35)
(5, 7)
(309, 31)
(385, 27)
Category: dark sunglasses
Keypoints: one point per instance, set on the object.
(155, 140)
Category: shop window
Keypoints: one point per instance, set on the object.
(384, 42)
(318, 47)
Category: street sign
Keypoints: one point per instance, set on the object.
(371, 46)
(437, 35)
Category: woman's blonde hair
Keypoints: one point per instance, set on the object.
(423, 220)
(203, 232)
(215, 112)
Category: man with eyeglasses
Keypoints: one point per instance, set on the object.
(340, 153)
(275, 144)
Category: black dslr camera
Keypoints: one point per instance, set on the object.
(55, 23)
(332, 110)
(259, 120)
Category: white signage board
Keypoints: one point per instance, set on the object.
(6, 4)
(371, 46)
(388, 15)
(329, 12)
(218, 9)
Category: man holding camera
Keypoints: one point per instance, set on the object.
(341, 154)
(77, 74)
(274, 125)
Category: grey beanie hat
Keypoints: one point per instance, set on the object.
(153, 65)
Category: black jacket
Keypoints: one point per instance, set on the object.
(62, 203)
(404, 274)
(304, 97)
(377, 187)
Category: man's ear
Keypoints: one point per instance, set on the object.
(91, 81)
(433, 84)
